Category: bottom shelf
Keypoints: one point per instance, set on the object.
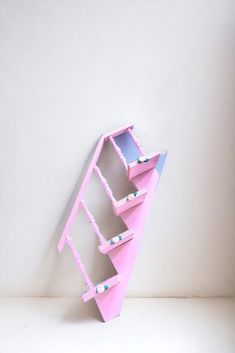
(116, 241)
(101, 288)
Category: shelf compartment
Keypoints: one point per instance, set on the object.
(116, 241)
(101, 288)
(129, 201)
(142, 164)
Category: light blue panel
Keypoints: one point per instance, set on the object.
(127, 146)
(160, 162)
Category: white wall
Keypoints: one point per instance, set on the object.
(73, 70)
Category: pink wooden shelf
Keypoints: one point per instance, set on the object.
(129, 201)
(135, 162)
(142, 164)
(116, 241)
(101, 288)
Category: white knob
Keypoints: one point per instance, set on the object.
(142, 159)
(130, 197)
(115, 239)
(100, 288)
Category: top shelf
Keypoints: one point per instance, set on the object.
(142, 165)
(132, 154)
(118, 132)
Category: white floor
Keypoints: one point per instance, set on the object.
(65, 325)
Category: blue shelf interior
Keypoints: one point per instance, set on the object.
(127, 146)
(131, 152)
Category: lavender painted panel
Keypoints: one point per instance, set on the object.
(127, 146)
(161, 162)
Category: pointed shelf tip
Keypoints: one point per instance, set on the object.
(129, 201)
(101, 288)
(116, 241)
(142, 165)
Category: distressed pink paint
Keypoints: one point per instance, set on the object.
(133, 209)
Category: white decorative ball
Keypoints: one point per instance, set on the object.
(142, 158)
(130, 197)
(100, 288)
(115, 239)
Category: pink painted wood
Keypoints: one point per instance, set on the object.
(133, 212)
(123, 257)
(76, 205)
(136, 142)
(126, 204)
(118, 151)
(136, 168)
(92, 221)
(92, 293)
(118, 132)
(109, 245)
(105, 184)
(79, 263)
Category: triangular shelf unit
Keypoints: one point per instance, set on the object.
(143, 170)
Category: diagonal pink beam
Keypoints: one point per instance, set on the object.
(76, 205)
(82, 190)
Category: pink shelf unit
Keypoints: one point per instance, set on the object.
(143, 171)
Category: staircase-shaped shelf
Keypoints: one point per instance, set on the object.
(143, 171)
